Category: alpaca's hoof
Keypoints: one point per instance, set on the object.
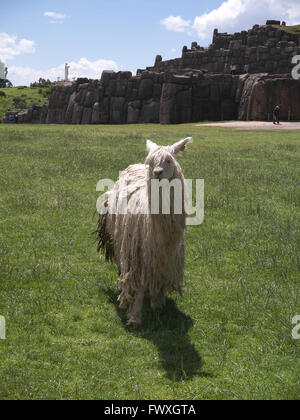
(134, 322)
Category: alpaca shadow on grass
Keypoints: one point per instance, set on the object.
(168, 330)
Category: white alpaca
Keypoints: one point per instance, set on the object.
(148, 248)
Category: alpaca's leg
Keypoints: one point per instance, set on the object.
(158, 300)
(135, 310)
(125, 297)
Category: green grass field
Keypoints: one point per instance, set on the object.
(231, 335)
(30, 95)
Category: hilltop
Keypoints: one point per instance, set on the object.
(26, 97)
(295, 29)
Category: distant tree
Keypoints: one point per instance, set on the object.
(47, 93)
(42, 83)
(4, 83)
(82, 80)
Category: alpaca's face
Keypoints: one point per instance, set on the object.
(161, 163)
(161, 159)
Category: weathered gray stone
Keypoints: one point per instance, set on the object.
(117, 111)
(87, 116)
(150, 112)
(133, 112)
(77, 114)
(146, 89)
(96, 114)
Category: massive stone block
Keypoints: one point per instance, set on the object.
(104, 111)
(133, 112)
(268, 93)
(77, 114)
(117, 111)
(150, 112)
(176, 103)
(146, 89)
(262, 92)
(96, 113)
(87, 116)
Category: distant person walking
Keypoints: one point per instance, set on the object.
(233, 70)
(246, 68)
(276, 114)
(16, 118)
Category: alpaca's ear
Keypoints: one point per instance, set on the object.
(181, 145)
(151, 146)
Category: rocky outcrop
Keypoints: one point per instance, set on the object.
(262, 92)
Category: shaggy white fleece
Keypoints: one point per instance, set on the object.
(148, 248)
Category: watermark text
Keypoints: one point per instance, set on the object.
(2, 328)
(296, 68)
(296, 329)
(161, 196)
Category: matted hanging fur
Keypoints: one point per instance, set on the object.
(147, 248)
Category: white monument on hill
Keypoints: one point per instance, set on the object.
(67, 67)
(3, 70)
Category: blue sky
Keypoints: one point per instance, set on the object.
(38, 37)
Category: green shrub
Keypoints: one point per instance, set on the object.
(19, 102)
(46, 93)
(2, 93)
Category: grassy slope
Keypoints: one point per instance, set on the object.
(31, 96)
(231, 335)
(295, 29)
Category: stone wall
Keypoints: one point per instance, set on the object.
(198, 97)
(264, 48)
(168, 98)
(193, 88)
(120, 98)
(117, 98)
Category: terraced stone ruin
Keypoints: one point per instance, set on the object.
(201, 85)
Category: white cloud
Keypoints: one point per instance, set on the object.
(236, 15)
(176, 24)
(57, 17)
(82, 68)
(10, 47)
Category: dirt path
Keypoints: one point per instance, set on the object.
(254, 125)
